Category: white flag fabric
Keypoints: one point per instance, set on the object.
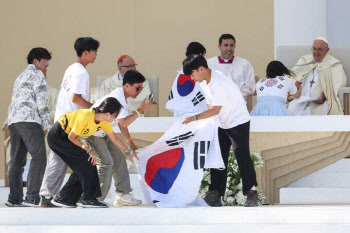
(171, 169)
(186, 96)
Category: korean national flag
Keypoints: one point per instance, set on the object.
(171, 169)
(186, 96)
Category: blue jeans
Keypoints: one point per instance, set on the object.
(26, 137)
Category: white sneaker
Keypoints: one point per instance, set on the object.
(125, 199)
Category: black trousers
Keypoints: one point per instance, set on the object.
(84, 179)
(238, 137)
(26, 136)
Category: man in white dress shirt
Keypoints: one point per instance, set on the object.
(238, 69)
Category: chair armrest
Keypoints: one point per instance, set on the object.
(342, 91)
(152, 111)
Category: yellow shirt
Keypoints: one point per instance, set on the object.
(82, 123)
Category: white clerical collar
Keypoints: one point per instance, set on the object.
(225, 61)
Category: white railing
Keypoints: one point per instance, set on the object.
(258, 124)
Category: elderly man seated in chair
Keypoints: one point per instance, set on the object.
(321, 76)
(126, 63)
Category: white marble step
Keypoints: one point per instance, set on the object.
(192, 216)
(292, 195)
(323, 180)
(135, 185)
(205, 228)
(341, 166)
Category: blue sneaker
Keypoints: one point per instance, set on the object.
(92, 204)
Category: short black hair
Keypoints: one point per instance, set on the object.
(83, 44)
(38, 54)
(276, 68)
(225, 37)
(193, 62)
(132, 77)
(109, 105)
(194, 48)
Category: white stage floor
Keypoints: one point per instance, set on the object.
(277, 218)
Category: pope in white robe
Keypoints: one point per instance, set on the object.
(321, 77)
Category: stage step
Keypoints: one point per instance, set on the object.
(323, 180)
(206, 228)
(142, 216)
(134, 180)
(329, 185)
(341, 166)
(315, 195)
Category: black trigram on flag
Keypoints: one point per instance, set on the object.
(261, 88)
(281, 78)
(280, 86)
(198, 98)
(171, 96)
(179, 139)
(201, 149)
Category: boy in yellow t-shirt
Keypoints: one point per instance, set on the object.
(63, 140)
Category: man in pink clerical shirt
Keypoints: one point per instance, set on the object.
(238, 69)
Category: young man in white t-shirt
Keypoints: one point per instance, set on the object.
(74, 94)
(187, 96)
(112, 162)
(224, 100)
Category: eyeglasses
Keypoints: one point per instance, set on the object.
(139, 89)
(317, 49)
(129, 66)
(92, 50)
(46, 61)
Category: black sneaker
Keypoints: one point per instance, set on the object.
(252, 199)
(213, 198)
(31, 203)
(12, 204)
(92, 204)
(46, 202)
(57, 201)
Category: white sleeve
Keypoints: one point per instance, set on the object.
(292, 87)
(248, 87)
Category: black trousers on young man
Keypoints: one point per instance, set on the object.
(238, 137)
(84, 179)
(26, 136)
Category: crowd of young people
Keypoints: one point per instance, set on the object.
(75, 119)
(82, 137)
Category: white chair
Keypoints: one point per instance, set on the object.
(100, 79)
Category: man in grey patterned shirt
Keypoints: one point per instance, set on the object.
(28, 123)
